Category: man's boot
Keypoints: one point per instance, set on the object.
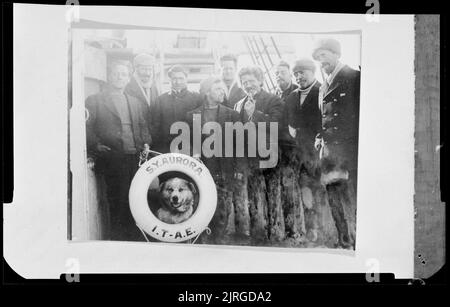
(337, 211)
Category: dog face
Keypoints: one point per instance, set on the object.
(177, 194)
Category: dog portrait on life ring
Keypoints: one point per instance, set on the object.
(173, 197)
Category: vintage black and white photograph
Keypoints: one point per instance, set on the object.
(199, 140)
(274, 118)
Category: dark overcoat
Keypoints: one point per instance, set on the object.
(285, 94)
(222, 167)
(170, 108)
(340, 122)
(286, 141)
(268, 108)
(305, 118)
(236, 94)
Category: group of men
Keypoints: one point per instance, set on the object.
(317, 128)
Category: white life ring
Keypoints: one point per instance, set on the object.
(144, 217)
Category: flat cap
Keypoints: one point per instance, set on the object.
(304, 64)
(328, 44)
(144, 59)
(283, 63)
(176, 68)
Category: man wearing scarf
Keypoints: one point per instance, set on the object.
(304, 122)
(304, 117)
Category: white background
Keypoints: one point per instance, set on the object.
(35, 224)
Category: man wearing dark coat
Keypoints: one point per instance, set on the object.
(264, 202)
(285, 87)
(172, 107)
(304, 123)
(258, 105)
(303, 113)
(224, 170)
(142, 85)
(234, 92)
(212, 90)
(116, 132)
(284, 80)
(338, 140)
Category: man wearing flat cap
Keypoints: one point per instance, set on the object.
(172, 107)
(142, 85)
(338, 139)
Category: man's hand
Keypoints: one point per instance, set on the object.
(292, 131)
(238, 176)
(102, 148)
(146, 148)
(249, 106)
(143, 155)
(318, 143)
(90, 163)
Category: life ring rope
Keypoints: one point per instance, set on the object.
(143, 233)
(208, 232)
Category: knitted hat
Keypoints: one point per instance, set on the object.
(328, 44)
(144, 59)
(176, 68)
(304, 64)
